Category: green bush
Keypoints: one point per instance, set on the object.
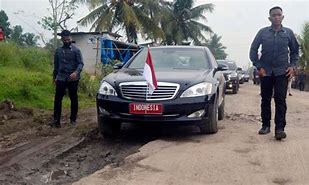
(30, 58)
(8, 54)
(35, 58)
(89, 84)
(107, 68)
(26, 78)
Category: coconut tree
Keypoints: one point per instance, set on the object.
(181, 21)
(108, 15)
(154, 10)
(216, 47)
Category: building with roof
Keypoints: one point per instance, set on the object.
(102, 47)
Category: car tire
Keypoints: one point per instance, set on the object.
(221, 110)
(234, 90)
(210, 125)
(109, 129)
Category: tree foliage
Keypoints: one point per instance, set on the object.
(17, 34)
(60, 12)
(304, 45)
(216, 47)
(30, 39)
(131, 15)
(171, 22)
(4, 23)
(181, 22)
(23, 39)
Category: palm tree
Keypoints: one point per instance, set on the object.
(216, 47)
(154, 9)
(107, 15)
(181, 21)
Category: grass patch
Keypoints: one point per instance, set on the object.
(26, 79)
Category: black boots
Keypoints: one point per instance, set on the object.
(264, 130)
(280, 134)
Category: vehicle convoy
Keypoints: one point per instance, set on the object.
(231, 75)
(256, 77)
(190, 91)
(241, 75)
(246, 76)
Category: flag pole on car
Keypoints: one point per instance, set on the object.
(149, 74)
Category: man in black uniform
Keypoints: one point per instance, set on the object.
(302, 80)
(275, 66)
(68, 64)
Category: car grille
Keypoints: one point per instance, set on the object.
(137, 91)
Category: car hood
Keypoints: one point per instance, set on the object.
(182, 77)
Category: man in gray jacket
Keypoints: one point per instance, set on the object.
(68, 64)
(276, 65)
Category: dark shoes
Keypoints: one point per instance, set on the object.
(55, 125)
(280, 134)
(72, 122)
(264, 130)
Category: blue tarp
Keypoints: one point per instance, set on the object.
(107, 55)
(116, 50)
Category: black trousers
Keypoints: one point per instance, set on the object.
(301, 86)
(274, 86)
(61, 86)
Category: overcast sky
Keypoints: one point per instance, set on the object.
(236, 21)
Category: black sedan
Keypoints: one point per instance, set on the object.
(190, 90)
(231, 75)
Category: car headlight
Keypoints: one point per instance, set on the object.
(232, 75)
(200, 89)
(107, 89)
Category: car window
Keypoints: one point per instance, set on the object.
(231, 64)
(212, 58)
(173, 58)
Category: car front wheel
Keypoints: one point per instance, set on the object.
(221, 110)
(109, 128)
(235, 89)
(210, 125)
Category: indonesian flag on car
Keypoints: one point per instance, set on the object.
(149, 74)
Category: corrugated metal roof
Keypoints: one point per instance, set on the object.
(94, 33)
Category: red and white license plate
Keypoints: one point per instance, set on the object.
(145, 108)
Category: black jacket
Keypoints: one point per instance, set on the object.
(66, 61)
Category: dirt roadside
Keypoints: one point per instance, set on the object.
(33, 153)
(235, 155)
(157, 155)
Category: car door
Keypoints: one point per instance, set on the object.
(218, 75)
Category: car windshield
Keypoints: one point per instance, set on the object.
(172, 58)
(230, 64)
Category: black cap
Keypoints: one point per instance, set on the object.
(65, 33)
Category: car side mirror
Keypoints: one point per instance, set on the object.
(118, 66)
(222, 67)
